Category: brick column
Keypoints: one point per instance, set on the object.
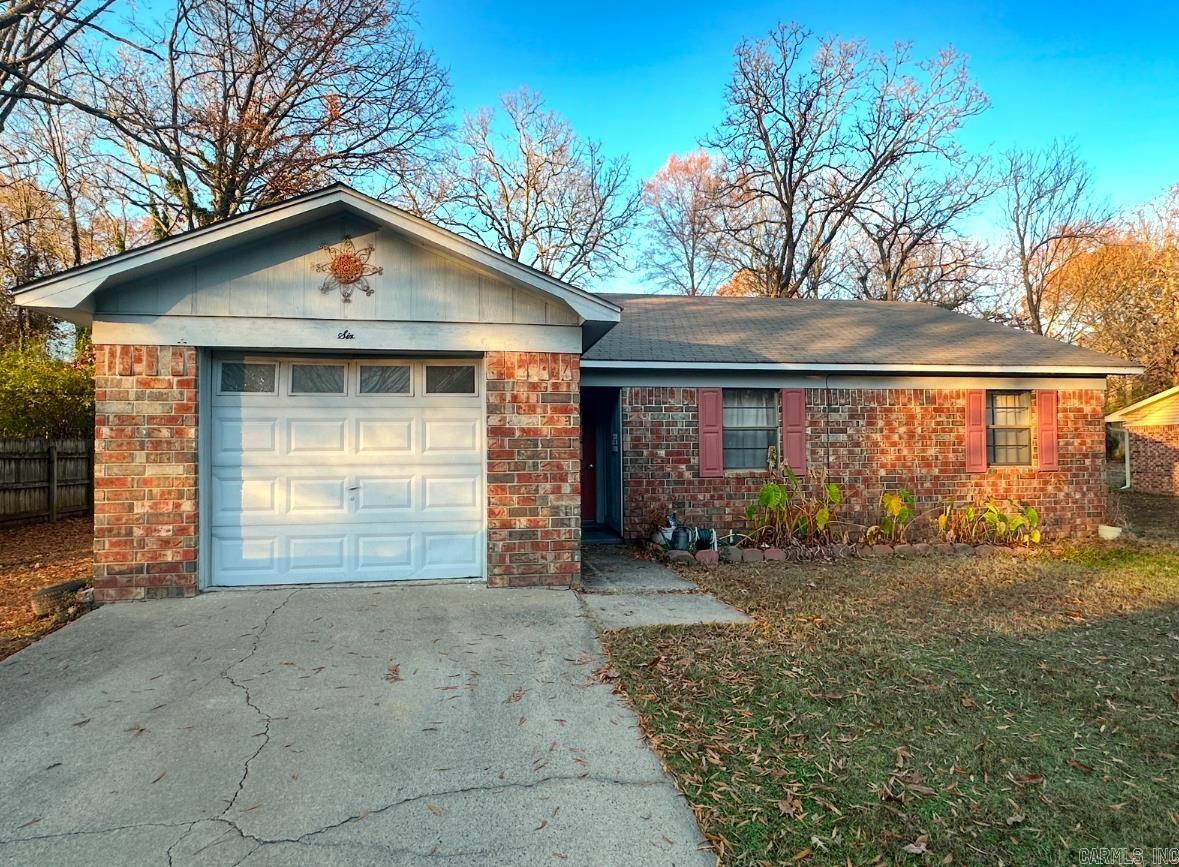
(145, 472)
(533, 469)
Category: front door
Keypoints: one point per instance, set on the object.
(589, 471)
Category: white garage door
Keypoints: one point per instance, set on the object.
(345, 471)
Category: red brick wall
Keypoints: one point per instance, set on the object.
(145, 472)
(1154, 458)
(533, 469)
(868, 441)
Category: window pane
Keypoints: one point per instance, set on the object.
(449, 379)
(237, 376)
(1009, 446)
(384, 379)
(750, 407)
(317, 379)
(748, 449)
(1009, 409)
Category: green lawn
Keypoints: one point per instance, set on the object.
(946, 710)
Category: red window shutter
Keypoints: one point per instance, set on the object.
(794, 428)
(976, 431)
(710, 411)
(1047, 439)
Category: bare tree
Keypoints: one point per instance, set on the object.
(906, 245)
(34, 34)
(680, 205)
(250, 101)
(539, 194)
(809, 134)
(1050, 221)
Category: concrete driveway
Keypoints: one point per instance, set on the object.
(391, 725)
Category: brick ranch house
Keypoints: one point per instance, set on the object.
(1150, 434)
(330, 389)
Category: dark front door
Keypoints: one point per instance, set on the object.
(589, 470)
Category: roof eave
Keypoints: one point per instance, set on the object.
(877, 369)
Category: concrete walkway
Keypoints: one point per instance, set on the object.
(621, 591)
(330, 726)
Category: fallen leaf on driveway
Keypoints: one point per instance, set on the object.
(394, 673)
(435, 809)
(515, 696)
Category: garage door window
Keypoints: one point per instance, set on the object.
(385, 379)
(317, 378)
(241, 378)
(450, 379)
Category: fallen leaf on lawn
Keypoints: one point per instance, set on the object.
(1080, 766)
(1016, 819)
(803, 855)
(967, 701)
(918, 846)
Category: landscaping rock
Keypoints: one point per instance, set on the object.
(920, 549)
(729, 554)
(963, 548)
(986, 551)
(708, 558)
(840, 551)
(903, 548)
(752, 555)
(774, 554)
(680, 557)
(944, 547)
(881, 550)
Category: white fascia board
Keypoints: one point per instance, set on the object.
(71, 290)
(998, 369)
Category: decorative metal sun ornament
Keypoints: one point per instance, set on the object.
(347, 269)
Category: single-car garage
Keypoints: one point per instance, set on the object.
(329, 469)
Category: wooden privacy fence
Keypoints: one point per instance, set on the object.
(45, 479)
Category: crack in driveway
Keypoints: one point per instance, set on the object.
(265, 717)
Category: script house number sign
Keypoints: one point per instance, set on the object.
(347, 269)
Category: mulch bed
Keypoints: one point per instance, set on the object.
(32, 557)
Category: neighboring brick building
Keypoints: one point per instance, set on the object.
(332, 390)
(1150, 429)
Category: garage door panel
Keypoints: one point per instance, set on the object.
(316, 488)
(385, 494)
(317, 496)
(385, 553)
(316, 554)
(316, 436)
(384, 437)
(234, 495)
(450, 436)
(234, 437)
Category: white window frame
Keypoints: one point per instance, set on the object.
(426, 365)
(408, 364)
(325, 363)
(274, 365)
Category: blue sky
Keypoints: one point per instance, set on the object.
(647, 78)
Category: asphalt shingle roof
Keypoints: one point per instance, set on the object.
(726, 330)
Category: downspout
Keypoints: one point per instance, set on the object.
(1126, 456)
